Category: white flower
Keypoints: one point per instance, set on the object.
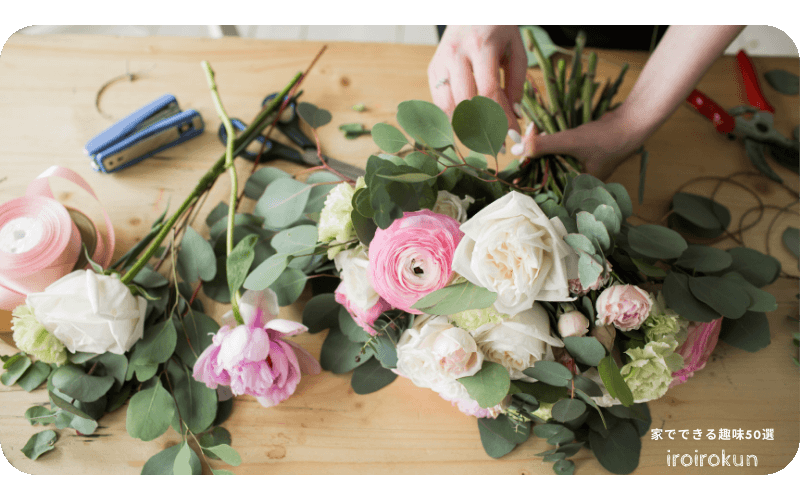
(335, 225)
(517, 343)
(452, 206)
(352, 266)
(435, 353)
(90, 312)
(573, 324)
(512, 248)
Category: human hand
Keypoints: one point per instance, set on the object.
(467, 63)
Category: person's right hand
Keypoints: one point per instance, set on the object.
(467, 63)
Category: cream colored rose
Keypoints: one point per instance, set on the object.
(352, 266)
(452, 206)
(90, 312)
(512, 248)
(519, 342)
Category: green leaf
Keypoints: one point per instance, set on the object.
(283, 202)
(388, 138)
(587, 350)
(226, 454)
(316, 200)
(481, 125)
(619, 452)
(408, 177)
(622, 198)
(588, 386)
(564, 467)
(554, 433)
(258, 182)
(339, 354)
(40, 415)
(385, 351)
(83, 425)
(750, 332)
(371, 376)
(756, 267)
(365, 227)
(163, 462)
(267, 272)
(649, 269)
(782, 81)
(580, 243)
(221, 472)
(238, 262)
(680, 299)
(218, 435)
(353, 130)
(148, 278)
(595, 230)
(589, 270)
(606, 215)
(760, 301)
(425, 123)
(156, 346)
(115, 365)
(656, 242)
(40, 443)
(15, 370)
(321, 312)
(75, 383)
(350, 328)
(299, 241)
(194, 336)
(149, 413)
(456, 298)
(183, 461)
(699, 210)
(568, 409)
(791, 238)
(721, 294)
(489, 386)
(66, 406)
(34, 376)
(704, 259)
(546, 45)
(612, 379)
(550, 373)
(493, 443)
(289, 285)
(197, 404)
(589, 199)
(314, 116)
(221, 210)
(196, 259)
(503, 427)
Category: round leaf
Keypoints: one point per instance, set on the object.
(299, 241)
(568, 409)
(493, 443)
(721, 294)
(289, 285)
(35, 375)
(195, 336)
(425, 123)
(266, 273)
(554, 433)
(163, 462)
(40, 443)
(226, 454)
(75, 383)
(15, 370)
(696, 209)
(756, 267)
(587, 350)
(782, 81)
(481, 124)
(314, 116)
(283, 202)
(197, 404)
(750, 332)
(760, 301)
(388, 138)
(257, 183)
(791, 238)
(489, 386)
(150, 413)
(321, 312)
(506, 429)
(350, 328)
(370, 377)
(550, 372)
(196, 259)
(704, 259)
(619, 452)
(657, 242)
(680, 299)
(564, 467)
(316, 200)
(339, 355)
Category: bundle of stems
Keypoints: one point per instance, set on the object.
(569, 105)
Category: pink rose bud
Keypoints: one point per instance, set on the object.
(624, 306)
(457, 353)
(573, 324)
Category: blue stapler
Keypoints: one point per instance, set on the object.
(153, 128)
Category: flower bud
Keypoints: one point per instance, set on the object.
(573, 324)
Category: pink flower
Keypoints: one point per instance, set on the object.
(413, 257)
(364, 318)
(700, 343)
(624, 306)
(471, 407)
(255, 358)
(575, 287)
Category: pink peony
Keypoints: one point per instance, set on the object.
(700, 343)
(255, 358)
(413, 257)
(624, 306)
(364, 318)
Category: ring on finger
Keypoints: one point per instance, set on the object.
(442, 81)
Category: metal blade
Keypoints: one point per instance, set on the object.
(350, 171)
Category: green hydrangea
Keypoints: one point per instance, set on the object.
(335, 225)
(470, 320)
(663, 323)
(649, 372)
(34, 339)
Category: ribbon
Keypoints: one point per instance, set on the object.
(39, 240)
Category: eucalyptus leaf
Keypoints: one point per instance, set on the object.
(680, 299)
(220, 212)
(283, 202)
(568, 409)
(704, 259)
(621, 197)
(586, 350)
(782, 81)
(371, 376)
(316, 199)
(760, 301)
(259, 180)
(350, 328)
(267, 272)
(148, 278)
(503, 427)
(649, 269)
(196, 403)
(489, 386)
(550, 373)
(755, 152)
(156, 346)
(15, 370)
(580, 243)
(589, 270)
(226, 454)
(321, 312)
(34, 376)
(115, 365)
(388, 137)
(456, 298)
(238, 262)
(40, 443)
(791, 238)
(194, 336)
(289, 285)
(606, 215)
(196, 259)
(75, 383)
(656, 242)
(481, 125)
(750, 332)
(593, 229)
(544, 41)
(183, 461)
(564, 467)
(339, 354)
(40, 415)
(554, 433)
(66, 406)
(756, 267)
(612, 379)
(699, 210)
(311, 114)
(150, 413)
(385, 351)
(425, 123)
(163, 462)
(588, 386)
(619, 452)
(493, 443)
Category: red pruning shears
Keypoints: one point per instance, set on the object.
(757, 131)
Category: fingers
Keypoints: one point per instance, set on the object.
(486, 68)
(515, 67)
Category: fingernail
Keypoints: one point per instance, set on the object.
(517, 149)
(517, 109)
(514, 135)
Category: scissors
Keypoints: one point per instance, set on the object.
(756, 131)
(289, 125)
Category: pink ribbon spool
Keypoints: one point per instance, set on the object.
(39, 241)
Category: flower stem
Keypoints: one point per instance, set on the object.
(205, 182)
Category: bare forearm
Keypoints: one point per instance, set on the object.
(682, 57)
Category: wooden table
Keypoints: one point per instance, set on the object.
(48, 91)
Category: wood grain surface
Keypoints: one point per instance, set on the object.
(48, 94)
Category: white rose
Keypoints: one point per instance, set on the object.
(335, 225)
(352, 266)
(512, 248)
(573, 324)
(435, 353)
(90, 312)
(452, 206)
(517, 343)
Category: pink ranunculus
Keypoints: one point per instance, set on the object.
(256, 358)
(413, 257)
(624, 306)
(700, 343)
(364, 318)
